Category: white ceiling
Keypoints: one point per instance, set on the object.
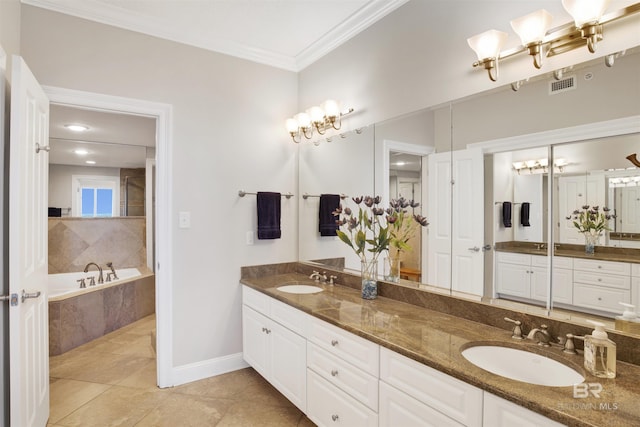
(288, 34)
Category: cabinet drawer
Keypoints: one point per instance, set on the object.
(256, 300)
(562, 262)
(400, 409)
(598, 266)
(600, 279)
(289, 317)
(635, 270)
(539, 261)
(329, 406)
(514, 258)
(450, 396)
(599, 298)
(345, 376)
(359, 352)
(499, 412)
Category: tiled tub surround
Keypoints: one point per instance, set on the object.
(432, 329)
(93, 312)
(75, 242)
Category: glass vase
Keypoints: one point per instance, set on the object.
(392, 269)
(590, 242)
(369, 272)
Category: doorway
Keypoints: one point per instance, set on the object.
(161, 220)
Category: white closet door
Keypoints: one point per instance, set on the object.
(439, 214)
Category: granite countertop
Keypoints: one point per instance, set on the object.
(574, 251)
(437, 339)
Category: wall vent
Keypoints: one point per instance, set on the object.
(557, 86)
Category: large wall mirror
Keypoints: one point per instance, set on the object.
(484, 140)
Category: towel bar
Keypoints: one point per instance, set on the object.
(243, 193)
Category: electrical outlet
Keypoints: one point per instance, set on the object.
(184, 220)
(249, 237)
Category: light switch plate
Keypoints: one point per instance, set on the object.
(184, 220)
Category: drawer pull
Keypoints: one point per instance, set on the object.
(334, 373)
(599, 279)
(599, 266)
(334, 343)
(335, 417)
(599, 299)
(264, 329)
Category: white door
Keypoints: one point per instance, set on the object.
(467, 228)
(28, 263)
(439, 211)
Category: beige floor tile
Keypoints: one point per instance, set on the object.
(118, 406)
(104, 368)
(225, 386)
(145, 378)
(305, 422)
(68, 395)
(248, 413)
(260, 392)
(187, 411)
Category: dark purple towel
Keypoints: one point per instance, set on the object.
(506, 214)
(268, 215)
(525, 209)
(326, 221)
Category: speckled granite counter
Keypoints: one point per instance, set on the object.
(436, 339)
(604, 253)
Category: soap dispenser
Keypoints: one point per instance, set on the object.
(629, 321)
(599, 352)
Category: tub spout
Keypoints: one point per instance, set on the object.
(113, 270)
(100, 278)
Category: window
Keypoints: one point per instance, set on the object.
(96, 196)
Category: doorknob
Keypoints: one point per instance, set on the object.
(40, 148)
(27, 295)
(475, 249)
(486, 248)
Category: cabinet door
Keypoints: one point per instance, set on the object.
(513, 279)
(330, 406)
(255, 340)
(400, 409)
(539, 281)
(288, 364)
(499, 412)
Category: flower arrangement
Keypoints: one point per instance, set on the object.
(591, 220)
(401, 227)
(364, 228)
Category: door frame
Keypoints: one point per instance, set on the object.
(164, 206)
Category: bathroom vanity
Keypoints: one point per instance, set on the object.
(347, 361)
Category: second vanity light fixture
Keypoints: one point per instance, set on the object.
(539, 166)
(316, 119)
(539, 42)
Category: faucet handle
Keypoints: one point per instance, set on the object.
(83, 284)
(569, 346)
(92, 281)
(517, 330)
(332, 279)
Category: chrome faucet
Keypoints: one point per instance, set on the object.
(315, 276)
(100, 278)
(541, 335)
(113, 271)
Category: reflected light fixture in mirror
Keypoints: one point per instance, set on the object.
(318, 119)
(539, 42)
(77, 128)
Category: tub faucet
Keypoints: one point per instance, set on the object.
(113, 271)
(100, 278)
(541, 335)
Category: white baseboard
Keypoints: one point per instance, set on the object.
(207, 368)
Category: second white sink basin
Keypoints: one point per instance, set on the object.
(300, 289)
(522, 365)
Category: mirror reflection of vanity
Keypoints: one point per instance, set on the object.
(583, 125)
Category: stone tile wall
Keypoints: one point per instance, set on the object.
(75, 242)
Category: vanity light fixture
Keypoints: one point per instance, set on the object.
(77, 128)
(539, 41)
(539, 166)
(316, 119)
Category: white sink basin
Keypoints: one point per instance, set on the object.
(300, 289)
(522, 365)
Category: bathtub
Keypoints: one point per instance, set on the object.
(79, 315)
(66, 284)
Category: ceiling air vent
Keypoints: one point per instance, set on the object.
(558, 86)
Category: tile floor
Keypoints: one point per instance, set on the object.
(111, 381)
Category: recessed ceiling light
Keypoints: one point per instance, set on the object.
(77, 128)
(81, 152)
(90, 162)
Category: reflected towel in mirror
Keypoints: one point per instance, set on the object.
(326, 220)
(525, 209)
(506, 214)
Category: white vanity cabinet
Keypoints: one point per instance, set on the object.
(601, 285)
(415, 394)
(272, 347)
(499, 412)
(525, 276)
(342, 377)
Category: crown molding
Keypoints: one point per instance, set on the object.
(115, 16)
